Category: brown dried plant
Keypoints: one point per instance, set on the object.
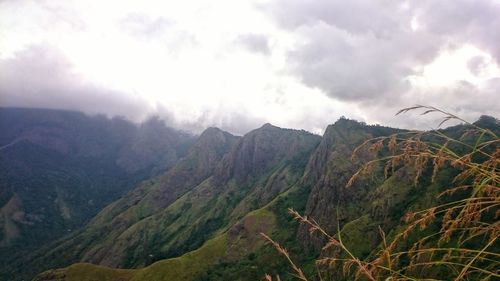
(297, 271)
(465, 247)
(473, 217)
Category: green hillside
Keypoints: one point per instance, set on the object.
(202, 219)
(58, 169)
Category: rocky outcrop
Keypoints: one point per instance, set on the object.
(329, 169)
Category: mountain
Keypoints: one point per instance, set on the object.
(202, 218)
(59, 168)
(274, 169)
(221, 180)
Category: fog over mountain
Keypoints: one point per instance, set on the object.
(239, 64)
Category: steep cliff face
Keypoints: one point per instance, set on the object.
(373, 203)
(198, 165)
(263, 149)
(328, 171)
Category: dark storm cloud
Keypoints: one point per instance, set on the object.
(258, 43)
(364, 50)
(40, 76)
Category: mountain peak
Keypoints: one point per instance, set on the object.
(268, 125)
(212, 131)
(348, 123)
(214, 135)
(201, 160)
(264, 147)
(487, 122)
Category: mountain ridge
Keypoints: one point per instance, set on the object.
(202, 218)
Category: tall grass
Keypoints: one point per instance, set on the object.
(462, 243)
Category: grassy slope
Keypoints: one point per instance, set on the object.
(231, 255)
(238, 253)
(238, 261)
(140, 234)
(190, 266)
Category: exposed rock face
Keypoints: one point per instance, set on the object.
(262, 149)
(328, 171)
(198, 165)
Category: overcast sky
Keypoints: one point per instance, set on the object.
(238, 64)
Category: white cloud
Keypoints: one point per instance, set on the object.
(383, 56)
(237, 64)
(40, 76)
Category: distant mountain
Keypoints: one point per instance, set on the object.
(59, 168)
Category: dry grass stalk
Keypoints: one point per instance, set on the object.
(472, 218)
(462, 220)
(363, 270)
(298, 272)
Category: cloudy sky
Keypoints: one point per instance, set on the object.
(238, 64)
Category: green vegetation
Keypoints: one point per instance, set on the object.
(58, 169)
(240, 242)
(451, 236)
(88, 272)
(146, 226)
(203, 219)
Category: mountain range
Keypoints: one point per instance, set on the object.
(93, 198)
